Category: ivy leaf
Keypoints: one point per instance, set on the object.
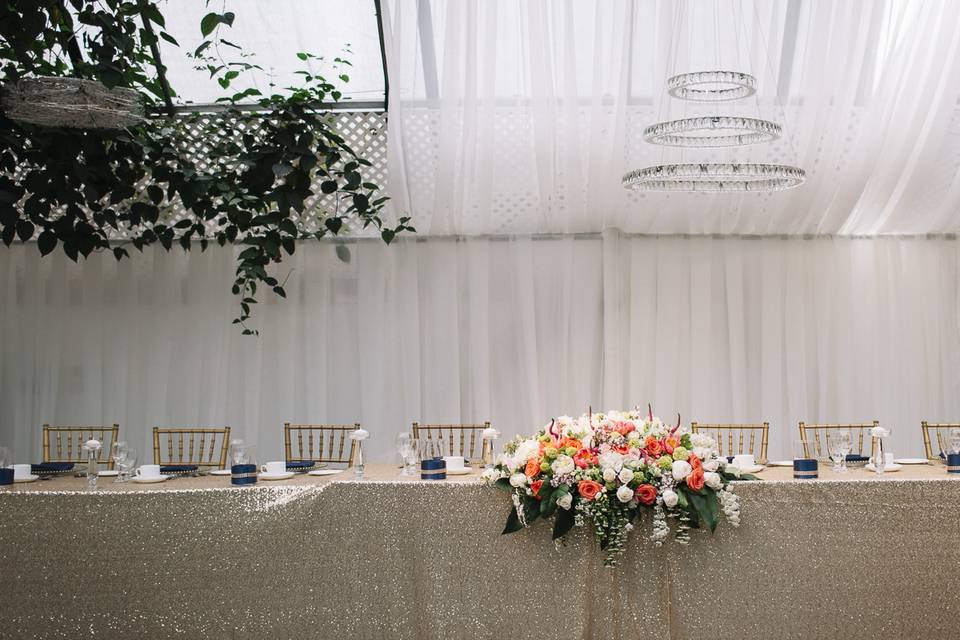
(155, 193)
(169, 38)
(387, 235)
(46, 242)
(333, 224)
(208, 23)
(201, 48)
(328, 186)
(25, 230)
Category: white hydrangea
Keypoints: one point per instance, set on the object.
(703, 445)
(565, 501)
(491, 475)
(524, 451)
(624, 494)
(711, 464)
(563, 464)
(518, 480)
(611, 459)
(681, 469)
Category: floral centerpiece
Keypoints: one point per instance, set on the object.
(608, 469)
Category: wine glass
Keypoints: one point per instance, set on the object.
(839, 446)
(403, 448)
(125, 464)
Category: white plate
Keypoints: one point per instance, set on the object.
(276, 476)
(30, 478)
(148, 479)
(459, 472)
(108, 473)
(780, 463)
(324, 472)
(754, 469)
(890, 467)
(911, 461)
(220, 472)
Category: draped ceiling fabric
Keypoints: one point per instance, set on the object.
(521, 116)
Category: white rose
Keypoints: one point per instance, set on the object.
(712, 480)
(711, 465)
(625, 494)
(611, 459)
(625, 475)
(681, 469)
(518, 480)
(525, 450)
(633, 435)
(565, 501)
(670, 498)
(563, 464)
(609, 474)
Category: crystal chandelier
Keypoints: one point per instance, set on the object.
(722, 131)
(715, 177)
(713, 131)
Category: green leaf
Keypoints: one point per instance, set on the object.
(169, 38)
(302, 56)
(513, 523)
(208, 23)
(706, 506)
(201, 48)
(503, 483)
(328, 186)
(25, 230)
(153, 14)
(46, 242)
(387, 235)
(333, 224)
(563, 522)
(155, 193)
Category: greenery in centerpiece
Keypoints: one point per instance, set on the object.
(78, 190)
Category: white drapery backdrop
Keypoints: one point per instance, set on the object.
(514, 331)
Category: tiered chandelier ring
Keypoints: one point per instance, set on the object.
(714, 177)
(712, 131)
(712, 86)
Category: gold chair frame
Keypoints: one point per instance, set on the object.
(193, 433)
(334, 435)
(447, 431)
(719, 429)
(860, 428)
(937, 427)
(83, 434)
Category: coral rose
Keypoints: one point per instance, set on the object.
(533, 468)
(584, 458)
(623, 428)
(695, 461)
(589, 489)
(646, 494)
(652, 445)
(695, 479)
(670, 443)
(535, 487)
(570, 442)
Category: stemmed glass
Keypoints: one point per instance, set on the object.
(118, 453)
(839, 444)
(403, 448)
(126, 464)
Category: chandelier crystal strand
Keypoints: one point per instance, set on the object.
(725, 131)
(715, 177)
(712, 86)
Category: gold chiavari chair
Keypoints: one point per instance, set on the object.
(65, 443)
(454, 433)
(816, 438)
(735, 439)
(942, 431)
(319, 442)
(200, 447)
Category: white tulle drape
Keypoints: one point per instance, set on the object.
(512, 116)
(513, 331)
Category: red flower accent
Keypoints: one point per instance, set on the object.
(695, 462)
(585, 458)
(589, 489)
(695, 479)
(535, 487)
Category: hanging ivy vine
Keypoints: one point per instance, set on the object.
(75, 190)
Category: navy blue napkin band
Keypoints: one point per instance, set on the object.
(6, 476)
(433, 469)
(953, 463)
(805, 468)
(243, 474)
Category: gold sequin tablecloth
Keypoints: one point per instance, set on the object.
(849, 557)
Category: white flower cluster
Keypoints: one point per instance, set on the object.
(730, 503)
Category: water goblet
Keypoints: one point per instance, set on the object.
(839, 444)
(403, 448)
(413, 456)
(125, 464)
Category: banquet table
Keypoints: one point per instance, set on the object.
(852, 556)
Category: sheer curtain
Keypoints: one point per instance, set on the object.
(513, 331)
(518, 116)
